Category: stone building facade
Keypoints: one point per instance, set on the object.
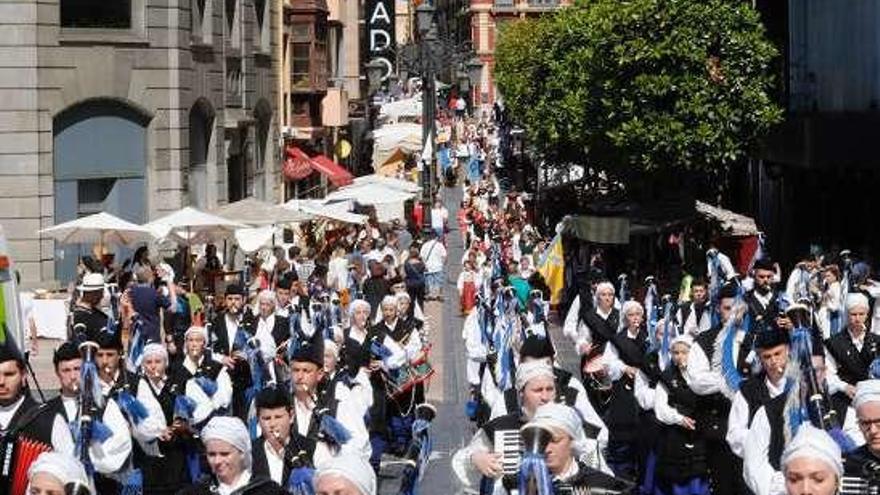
(134, 107)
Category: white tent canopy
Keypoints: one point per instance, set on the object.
(391, 182)
(194, 226)
(255, 212)
(409, 107)
(390, 137)
(100, 228)
(339, 211)
(370, 194)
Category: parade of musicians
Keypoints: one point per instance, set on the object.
(431, 247)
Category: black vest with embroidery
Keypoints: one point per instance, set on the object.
(756, 394)
(681, 453)
(774, 410)
(713, 408)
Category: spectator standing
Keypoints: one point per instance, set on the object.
(434, 255)
(148, 300)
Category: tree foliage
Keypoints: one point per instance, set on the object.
(632, 86)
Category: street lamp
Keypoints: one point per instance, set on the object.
(375, 71)
(463, 81)
(475, 71)
(424, 17)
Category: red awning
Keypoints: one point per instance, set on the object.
(297, 164)
(338, 175)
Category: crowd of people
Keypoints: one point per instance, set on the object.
(739, 384)
(301, 373)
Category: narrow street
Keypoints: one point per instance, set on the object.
(449, 389)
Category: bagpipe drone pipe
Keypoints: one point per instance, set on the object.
(418, 452)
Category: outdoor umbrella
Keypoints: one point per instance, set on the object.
(390, 182)
(329, 211)
(100, 228)
(258, 213)
(191, 226)
(370, 194)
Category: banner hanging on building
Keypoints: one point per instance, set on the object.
(380, 34)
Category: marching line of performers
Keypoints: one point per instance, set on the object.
(250, 403)
(705, 396)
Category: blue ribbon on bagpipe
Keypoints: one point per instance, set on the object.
(667, 325)
(716, 280)
(184, 408)
(651, 311)
(729, 370)
(502, 338)
(135, 346)
(534, 468)
(300, 481)
(133, 409)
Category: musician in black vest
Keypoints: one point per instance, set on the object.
(199, 364)
(480, 464)
(228, 447)
(764, 309)
(851, 352)
(863, 464)
(771, 346)
(279, 450)
(566, 452)
(22, 418)
(767, 436)
(311, 404)
(590, 327)
(161, 452)
(624, 355)
(704, 378)
(695, 316)
(357, 358)
(682, 466)
(230, 331)
(400, 412)
(569, 391)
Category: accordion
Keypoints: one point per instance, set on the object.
(853, 485)
(17, 453)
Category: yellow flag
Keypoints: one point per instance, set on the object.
(552, 268)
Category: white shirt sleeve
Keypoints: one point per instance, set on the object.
(664, 412)
(351, 415)
(759, 475)
(204, 404)
(699, 374)
(223, 396)
(738, 424)
(109, 456)
(570, 326)
(851, 427)
(835, 384)
(643, 392)
(154, 424)
(583, 405)
(613, 364)
(62, 440)
(413, 346)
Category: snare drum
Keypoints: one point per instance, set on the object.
(407, 377)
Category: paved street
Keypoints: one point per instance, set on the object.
(449, 390)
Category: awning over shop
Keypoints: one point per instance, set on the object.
(338, 175)
(298, 165)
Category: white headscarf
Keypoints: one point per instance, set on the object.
(813, 443)
(866, 391)
(351, 467)
(155, 349)
(65, 468)
(232, 431)
(560, 416)
(855, 300)
(199, 330)
(527, 371)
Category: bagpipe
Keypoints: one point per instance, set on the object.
(418, 452)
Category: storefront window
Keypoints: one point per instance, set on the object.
(104, 14)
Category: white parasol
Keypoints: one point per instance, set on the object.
(193, 226)
(100, 228)
(259, 213)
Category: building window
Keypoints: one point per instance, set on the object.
(91, 194)
(300, 64)
(543, 3)
(105, 14)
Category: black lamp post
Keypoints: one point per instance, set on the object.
(475, 74)
(427, 38)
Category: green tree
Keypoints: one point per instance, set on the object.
(634, 86)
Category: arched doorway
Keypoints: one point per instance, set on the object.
(202, 153)
(100, 163)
